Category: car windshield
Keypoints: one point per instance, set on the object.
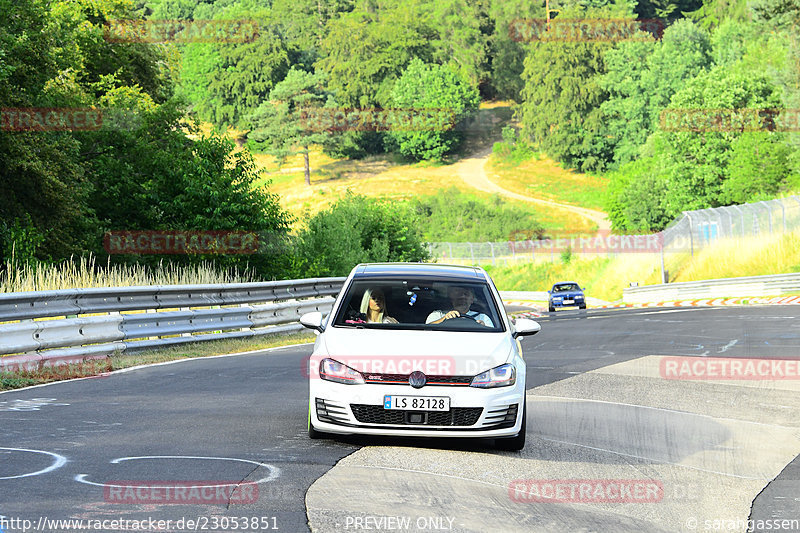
(419, 304)
(566, 287)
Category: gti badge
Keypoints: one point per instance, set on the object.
(417, 379)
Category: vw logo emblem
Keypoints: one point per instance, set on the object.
(417, 379)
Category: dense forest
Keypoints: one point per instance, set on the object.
(157, 69)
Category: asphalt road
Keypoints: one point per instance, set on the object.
(230, 420)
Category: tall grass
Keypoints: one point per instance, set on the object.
(84, 272)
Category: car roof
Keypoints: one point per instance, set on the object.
(565, 282)
(427, 270)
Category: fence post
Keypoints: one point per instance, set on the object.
(769, 214)
(691, 232)
(741, 213)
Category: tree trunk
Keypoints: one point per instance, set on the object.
(307, 166)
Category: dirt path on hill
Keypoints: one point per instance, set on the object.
(471, 170)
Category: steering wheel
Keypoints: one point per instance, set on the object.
(463, 316)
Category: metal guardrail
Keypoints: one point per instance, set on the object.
(131, 319)
(774, 285)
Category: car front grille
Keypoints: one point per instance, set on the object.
(402, 379)
(376, 414)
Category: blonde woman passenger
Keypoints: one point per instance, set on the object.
(373, 305)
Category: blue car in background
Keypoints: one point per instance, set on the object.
(566, 294)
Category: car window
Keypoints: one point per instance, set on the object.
(566, 287)
(418, 303)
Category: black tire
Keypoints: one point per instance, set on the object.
(516, 443)
(582, 306)
(551, 309)
(312, 432)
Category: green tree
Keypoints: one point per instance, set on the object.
(356, 230)
(451, 99)
(244, 77)
(702, 157)
(758, 168)
(642, 76)
(291, 119)
(364, 53)
(561, 102)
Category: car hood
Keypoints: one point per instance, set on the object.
(402, 351)
(569, 294)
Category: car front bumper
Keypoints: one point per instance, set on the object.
(474, 412)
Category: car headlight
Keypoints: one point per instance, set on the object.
(332, 370)
(501, 376)
(557, 299)
(579, 297)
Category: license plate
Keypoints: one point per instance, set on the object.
(417, 403)
(568, 301)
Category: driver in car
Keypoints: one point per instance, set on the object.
(461, 299)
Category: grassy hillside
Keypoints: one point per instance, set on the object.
(387, 176)
(605, 278)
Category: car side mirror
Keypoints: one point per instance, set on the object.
(525, 326)
(312, 320)
(583, 288)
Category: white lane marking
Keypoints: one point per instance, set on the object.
(34, 404)
(274, 471)
(729, 345)
(59, 461)
(659, 461)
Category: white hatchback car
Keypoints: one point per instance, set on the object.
(418, 350)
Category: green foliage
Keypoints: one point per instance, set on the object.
(636, 194)
(154, 178)
(642, 76)
(281, 125)
(713, 12)
(455, 216)
(507, 52)
(445, 92)
(759, 165)
(355, 230)
(364, 53)
(561, 107)
(243, 78)
(19, 241)
(512, 150)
